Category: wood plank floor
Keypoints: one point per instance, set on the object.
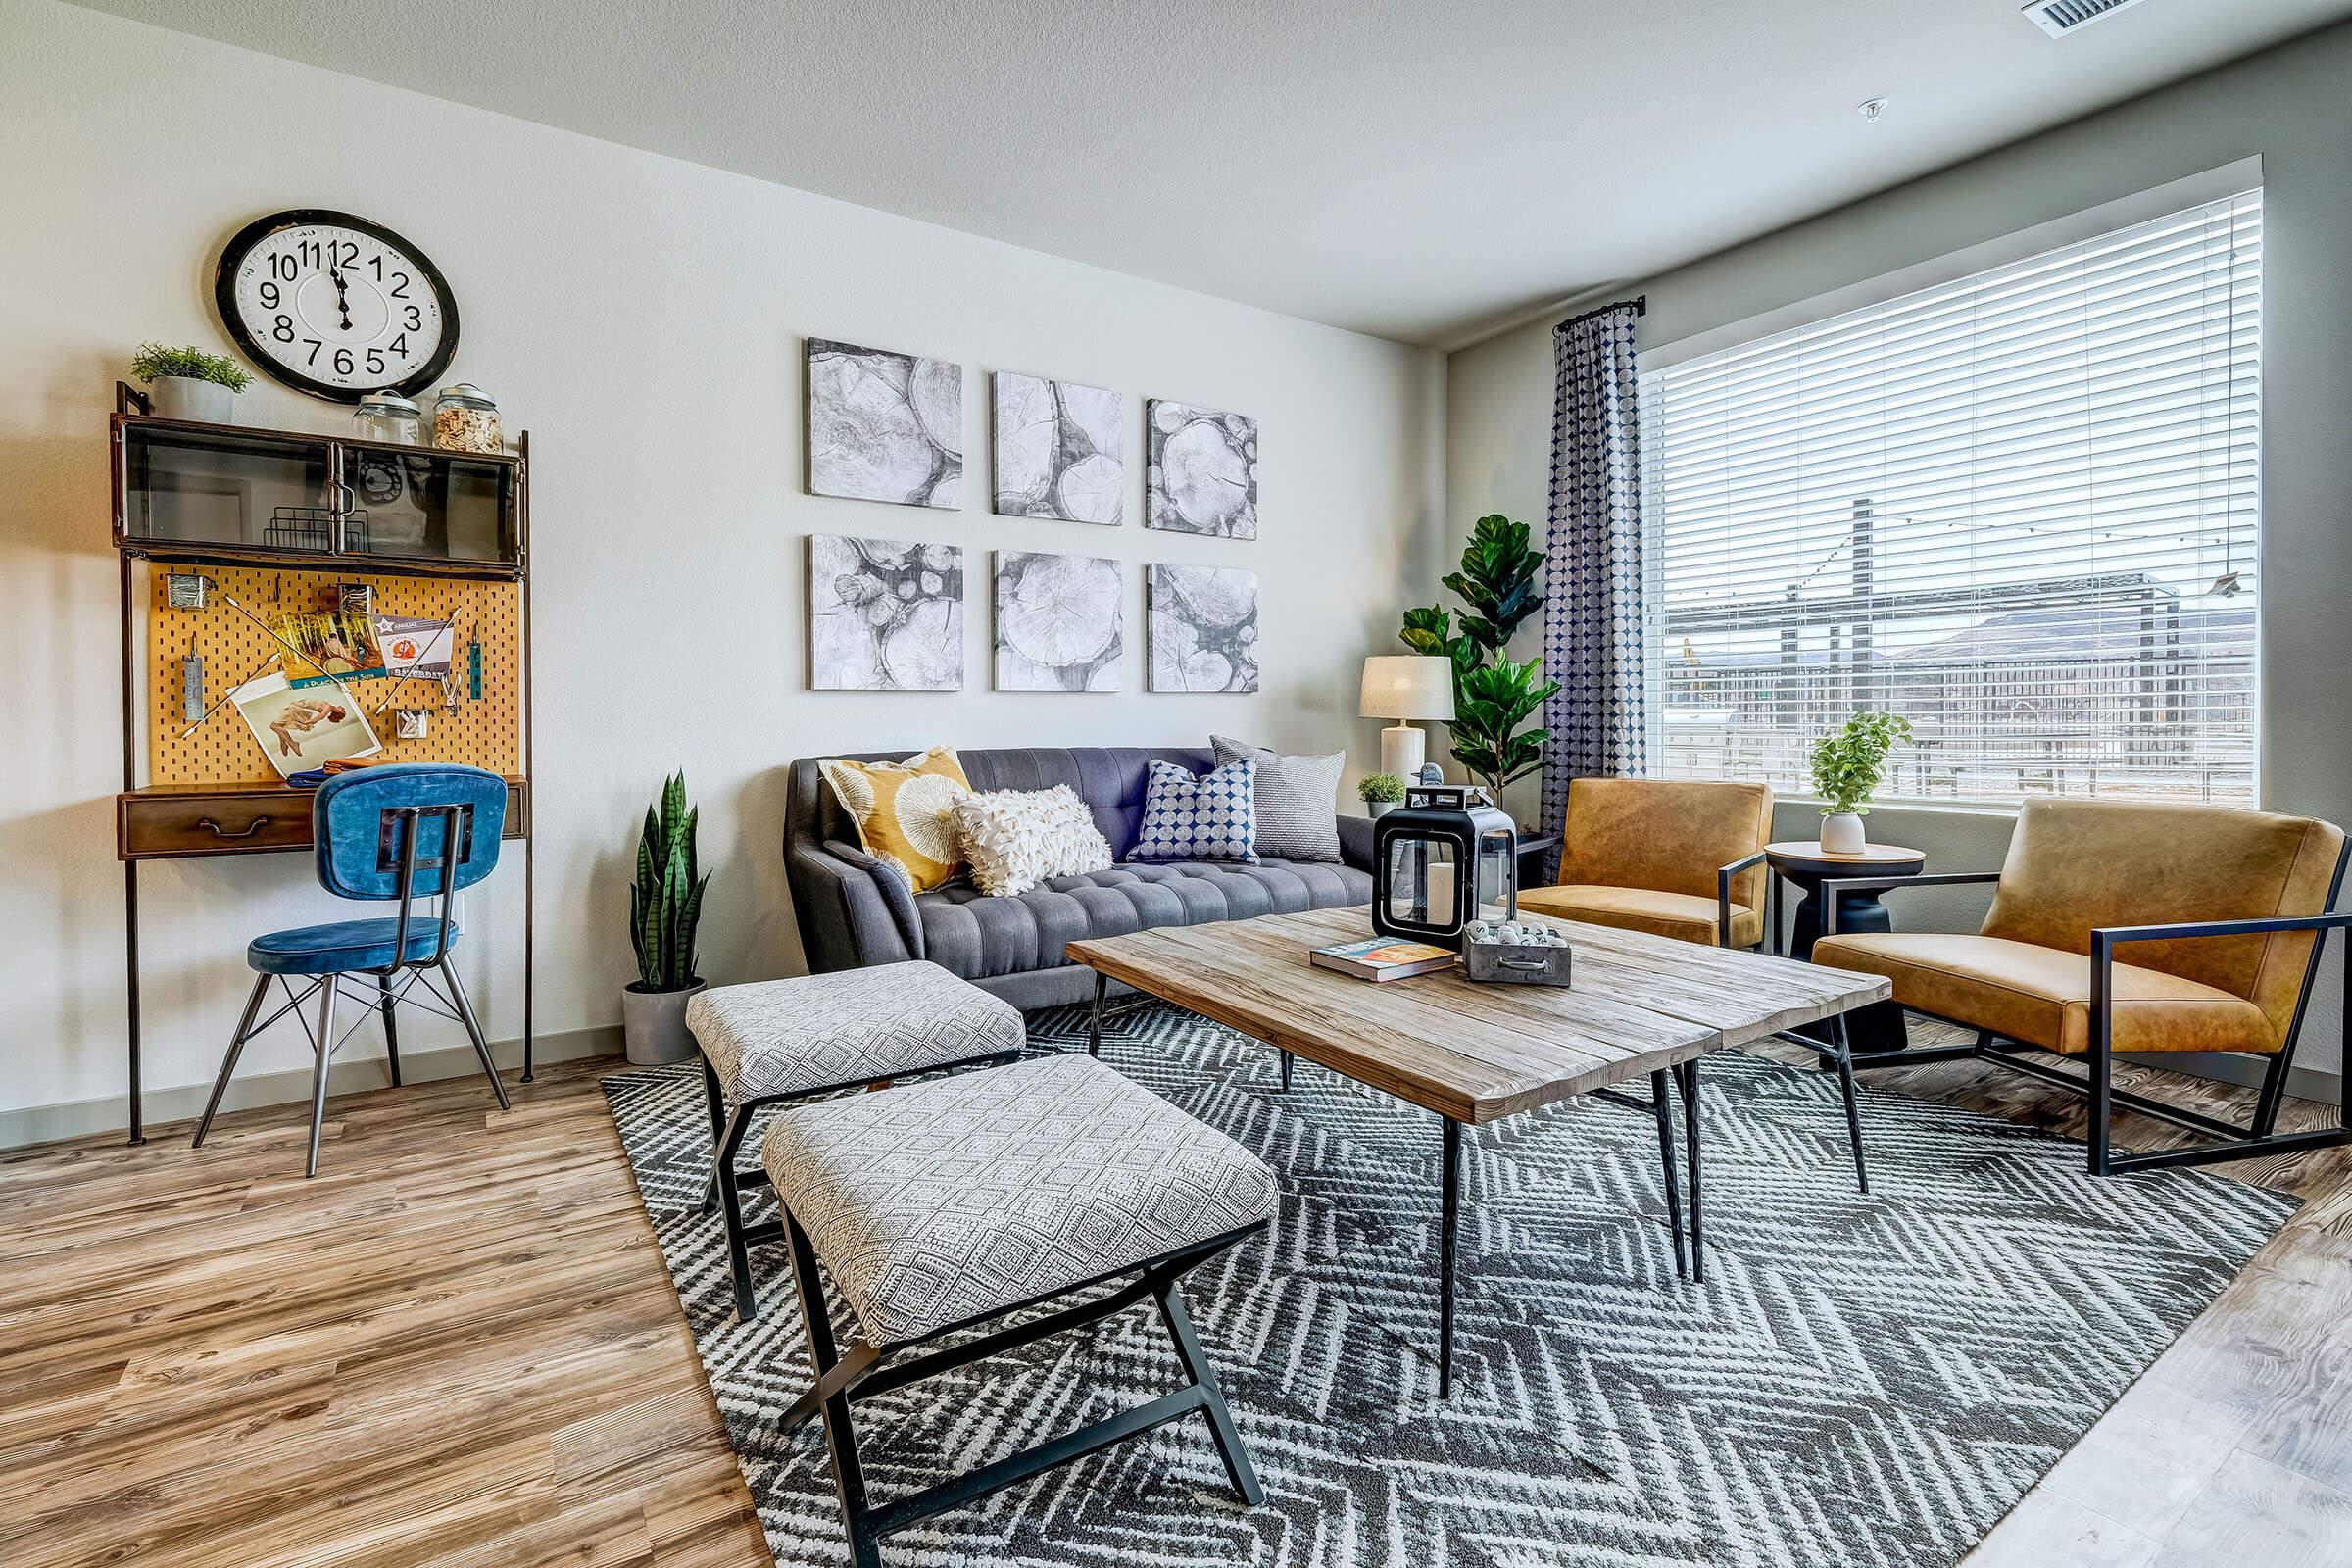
(458, 1347)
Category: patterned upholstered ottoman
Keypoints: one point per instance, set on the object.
(943, 1204)
(783, 1040)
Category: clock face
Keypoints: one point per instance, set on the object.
(336, 306)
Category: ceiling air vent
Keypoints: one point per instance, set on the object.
(2058, 18)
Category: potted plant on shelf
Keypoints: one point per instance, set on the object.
(187, 383)
(1493, 696)
(1381, 793)
(665, 905)
(1848, 766)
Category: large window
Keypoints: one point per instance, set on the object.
(2018, 510)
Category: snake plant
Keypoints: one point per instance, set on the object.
(666, 903)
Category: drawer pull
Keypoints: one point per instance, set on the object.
(245, 832)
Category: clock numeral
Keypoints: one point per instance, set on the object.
(316, 346)
(342, 361)
(375, 361)
(400, 285)
(377, 262)
(400, 345)
(284, 267)
(283, 329)
(416, 316)
(269, 296)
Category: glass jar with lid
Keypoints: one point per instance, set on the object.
(466, 420)
(386, 415)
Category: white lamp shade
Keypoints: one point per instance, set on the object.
(1406, 686)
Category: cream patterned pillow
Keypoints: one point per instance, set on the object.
(1018, 839)
(902, 810)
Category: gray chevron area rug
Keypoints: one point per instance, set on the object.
(1867, 1381)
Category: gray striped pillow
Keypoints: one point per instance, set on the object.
(1298, 800)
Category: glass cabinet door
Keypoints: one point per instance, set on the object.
(428, 504)
(256, 492)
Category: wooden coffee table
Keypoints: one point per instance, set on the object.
(1640, 1005)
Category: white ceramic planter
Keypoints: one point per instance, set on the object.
(1380, 808)
(653, 1025)
(184, 397)
(1841, 833)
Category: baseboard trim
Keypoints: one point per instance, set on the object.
(80, 1118)
(2302, 1083)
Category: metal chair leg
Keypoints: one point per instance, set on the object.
(1662, 1106)
(228, 1062)
(328, 986)
(383, 987)
(473, 1030)
(1854, 1110)
(1197, 1370)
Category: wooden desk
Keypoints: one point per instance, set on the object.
(1641, 1005)
(176, 822)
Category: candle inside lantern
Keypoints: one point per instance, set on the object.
(1440, 886)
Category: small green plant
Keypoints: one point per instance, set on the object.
(154, 360)
(1381, 787)
(666, 903)
(1491, 695)
(1850, 761)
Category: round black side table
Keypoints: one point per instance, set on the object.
(1879, 1027)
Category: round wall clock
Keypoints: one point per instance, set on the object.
(335, 306)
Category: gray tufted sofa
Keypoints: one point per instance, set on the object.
(854, 911)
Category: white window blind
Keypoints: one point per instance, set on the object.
(2018, 510)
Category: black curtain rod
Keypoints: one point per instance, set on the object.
(1640, 303)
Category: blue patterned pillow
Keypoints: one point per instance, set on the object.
(1210, 816)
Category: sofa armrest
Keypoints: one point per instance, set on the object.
(854, 911)
(1356, 842)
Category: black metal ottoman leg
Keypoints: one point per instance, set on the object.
(1663, 1105)
(1094, 1019)
(1220, 1419)
(714, 1101)
(841, 1439)
(730, 1202)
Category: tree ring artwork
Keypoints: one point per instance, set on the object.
(1059, 450)
(884, 615)
(1204, 629)
(1202, 473)
(1058, 623)
(884, 426)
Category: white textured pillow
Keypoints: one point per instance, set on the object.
(1015, 839)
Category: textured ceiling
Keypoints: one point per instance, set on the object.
(1422, 170)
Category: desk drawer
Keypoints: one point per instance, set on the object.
(151, 828)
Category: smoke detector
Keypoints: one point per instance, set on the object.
(2059, 18)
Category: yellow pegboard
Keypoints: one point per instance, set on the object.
(481, 734)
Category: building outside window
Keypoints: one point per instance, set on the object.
(2021, 509)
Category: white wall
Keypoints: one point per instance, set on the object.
(2287, 106)
(642, 317)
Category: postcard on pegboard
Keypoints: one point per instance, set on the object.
(333, 645)
(302, 724)
(415, 647)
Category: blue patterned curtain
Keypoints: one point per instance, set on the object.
(1592, 620)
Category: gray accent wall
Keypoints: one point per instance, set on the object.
(2289, 108)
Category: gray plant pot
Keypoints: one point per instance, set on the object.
(184, 397)
(1381, 808)
(653, 1025)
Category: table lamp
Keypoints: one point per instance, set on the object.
(1405, 687)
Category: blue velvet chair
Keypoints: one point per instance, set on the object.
(382, 835)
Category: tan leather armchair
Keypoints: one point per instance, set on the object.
(2223, 913)
(1674, 858)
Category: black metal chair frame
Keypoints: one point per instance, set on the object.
(868, 1369)
(404, 822)
(2098, 1085)
(723, 1187)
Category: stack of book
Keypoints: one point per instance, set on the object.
(1381, 958)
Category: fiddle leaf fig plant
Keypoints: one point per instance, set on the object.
(1493, 696)
(1850, 761)
(665, 901)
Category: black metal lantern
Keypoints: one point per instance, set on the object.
(1436, 858)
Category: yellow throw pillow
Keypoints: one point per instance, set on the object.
(904, 811)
